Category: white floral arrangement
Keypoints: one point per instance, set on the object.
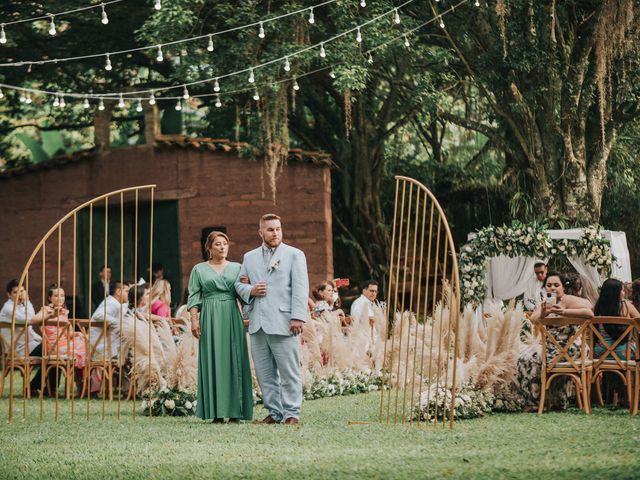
(529, 240)
(166, 402)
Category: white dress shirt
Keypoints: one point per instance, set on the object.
(24, 312)
(361, 306)
(534, 294)
(113, 310)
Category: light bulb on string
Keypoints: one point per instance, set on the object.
(101, 105)
(152, 99)
(252, 77)
(312, 18)
(210, 44)
(179, 105)
(52, 27)
(1, 93)
(332, 74)
(477, 4)
(56, 101)
(27, 99)
(157, 5)
(323, 53)
(85, 103)
(363, 3)
(105, 19)
(441, 22)
(62, 102)
(107, 65)
(261, 33)
(256, 95)
(139, 106)
(121, 102)
(296, 87)
(216, 86)
(370, 59)
(287, 65)
(3, 35)
(22, 98)
(406, 41)
(396, 17)
(185, 93)
(358, 35)
(218, 102)
(159, 55)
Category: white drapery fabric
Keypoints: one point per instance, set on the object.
(509, 276)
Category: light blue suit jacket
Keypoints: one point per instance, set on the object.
(287, 289)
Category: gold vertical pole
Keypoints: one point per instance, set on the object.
(90, 353)
(134, 370)
(45, 343)
(433, 323)
(106, 355)
(402, 303)
(448, 357)
(57, 350)
(444, 278)
(73, 313)
(386, 333)
(395, 303)
(26, 384)
(455, 289)
(150, 275)
(120, 364)
(419, 290)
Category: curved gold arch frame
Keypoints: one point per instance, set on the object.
(24, 282)
(437, 259)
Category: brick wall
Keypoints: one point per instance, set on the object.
(211, 187)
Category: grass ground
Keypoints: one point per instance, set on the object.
(554, 445)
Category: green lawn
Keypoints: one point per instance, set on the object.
(558, 445)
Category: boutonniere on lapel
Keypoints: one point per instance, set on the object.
(274, 266)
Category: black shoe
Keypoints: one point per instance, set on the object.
(234, 420)
(218, 420)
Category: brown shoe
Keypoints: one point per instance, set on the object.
(268, 420)
(291, 421)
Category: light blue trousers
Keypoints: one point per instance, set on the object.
(276, 359)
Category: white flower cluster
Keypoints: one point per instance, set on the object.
(530, 240)
(177, 403)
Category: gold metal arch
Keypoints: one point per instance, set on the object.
(49, 360)
(423, 311)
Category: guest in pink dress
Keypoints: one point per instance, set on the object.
(160, 300)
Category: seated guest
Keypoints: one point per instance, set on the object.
(530, 360)
(113, 309)
(364, 304)
(612, 303)
(635, 293)
(535, 291)
(24, 315)
(182, 317)
(161, 300)
(326, 298)
(100, 288)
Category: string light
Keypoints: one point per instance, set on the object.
(62, 102)
(287, 65)
(101, 105)
(22, 98)
(252, 77)
(179, 105)
(312, 18)
(159, 55)
(363, 3)
(261, 32)
(121, 102)
(105, 19)
(370, 59)
(152, 99)
(1, 93)
(85, 103)
(406, 41)
(296, 87)
(441, 22)
(157, 5)
(185, 93)
(216, 86)
(218, 102)
(210, 44)
(107, 65)
(396, 17)
(28, 100)
(477, 4)
(139, 106)
(322, 51)
(3, 35)
(332, 74)
(358, 36)
(256, 96)
(56, 101)
(52, 27)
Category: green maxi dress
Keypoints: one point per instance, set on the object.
(224, 373)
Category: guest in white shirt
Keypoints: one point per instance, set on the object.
(112, 310)
(535, 292)
(364, 304)
(25, 315)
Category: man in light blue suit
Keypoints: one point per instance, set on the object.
(277, 293)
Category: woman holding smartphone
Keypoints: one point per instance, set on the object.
(560, 304)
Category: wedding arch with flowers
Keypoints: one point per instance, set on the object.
(526, 240)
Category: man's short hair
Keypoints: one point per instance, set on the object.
(540, 264)
(13, 283)
(157, 266)
(368, 283)
(269, 216)
(116, 284)
(102, 267)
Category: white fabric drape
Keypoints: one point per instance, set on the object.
(621, 268)
(510, 276)
(587, 271)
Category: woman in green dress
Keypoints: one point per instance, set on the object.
(224, 373)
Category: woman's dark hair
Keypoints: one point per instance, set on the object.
(635, 293)
(133, 296)
(572, 284)
(609, 305)
(52, 287)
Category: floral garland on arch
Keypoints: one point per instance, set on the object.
(528, 240)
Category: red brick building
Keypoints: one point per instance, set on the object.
(201, 183)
